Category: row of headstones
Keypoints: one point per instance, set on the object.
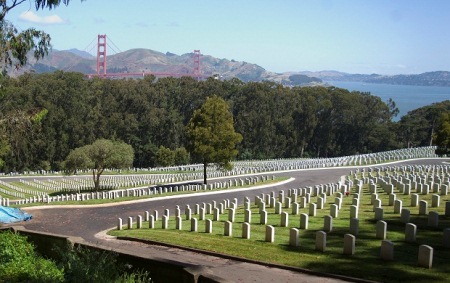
(116, 182)
(274, 165)
(4, 201)
(11, 193)
(140, 192)
(404, 188)
(425, 170)
(439, 174)
(13, 189)
(425, 257)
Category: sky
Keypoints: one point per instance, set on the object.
(354, 36)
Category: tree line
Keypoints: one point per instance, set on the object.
(45, 116)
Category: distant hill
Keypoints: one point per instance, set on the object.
(145, 60)
(438, 78)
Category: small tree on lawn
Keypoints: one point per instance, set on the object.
(212, 136)
(100, 155)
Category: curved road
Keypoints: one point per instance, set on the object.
(87, 221)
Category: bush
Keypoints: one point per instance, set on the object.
(89, 265)
(20, 263)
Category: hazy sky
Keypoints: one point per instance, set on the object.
(354, 36)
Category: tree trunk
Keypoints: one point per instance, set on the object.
(204, 173)
(96, 178)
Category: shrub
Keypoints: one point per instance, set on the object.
(20, 263)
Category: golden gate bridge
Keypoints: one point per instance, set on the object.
(102, 70)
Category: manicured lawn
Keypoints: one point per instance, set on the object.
(365, 263)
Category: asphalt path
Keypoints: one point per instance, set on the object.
(88, 222)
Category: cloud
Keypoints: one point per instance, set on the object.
(48, 20)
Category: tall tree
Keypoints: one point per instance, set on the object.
(100, 155)
(15, 45)
(212, 135)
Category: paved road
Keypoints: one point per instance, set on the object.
(88, 221)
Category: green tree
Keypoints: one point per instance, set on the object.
(165, 157)
(212, 136)
(181, 156)
(15, 45)
(442, 136)
(100, 155)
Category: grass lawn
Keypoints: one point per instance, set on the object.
(365, 263)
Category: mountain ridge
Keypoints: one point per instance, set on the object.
(140, 60)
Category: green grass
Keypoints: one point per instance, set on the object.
(364, 264)
(123, 199)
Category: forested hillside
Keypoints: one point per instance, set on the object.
(44, 116)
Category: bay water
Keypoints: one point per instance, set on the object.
(406, 97)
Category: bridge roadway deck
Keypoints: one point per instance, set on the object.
(88, 222)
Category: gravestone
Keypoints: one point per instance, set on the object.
(246, 230)
(433, 219)
(201, 213)
(178, 223)
(387, 250)
(231, 214)
(353, 211)
(405, 215)
(435, 200)
(248, 216)
(270, 234)
(284, 219)
(327, 223)
(194, 224)
(228, 229)
(151, 222)
(304, 221)
(295, 208)
(130, 222)
(397, 206)
(294, 237)
(376, 204)
(216, 214)
(379, 213)
(446, 237)
(119, 224)
(165, 222)
(423, 207)
(349, 244)
(312, 209)
(425, 256)
(320, 203)
(263, 217)
(208, 226)
(392, 198)
(188, 213)
(321, 241)
(414, 200)
(354, 226)
(410, 232)
(334, 210)
(381, 228)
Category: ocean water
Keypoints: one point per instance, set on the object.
(406, 97)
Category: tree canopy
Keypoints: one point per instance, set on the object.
(45, 116)
(442, 136)
(212, 135)
(15, 45)
(100, 155)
